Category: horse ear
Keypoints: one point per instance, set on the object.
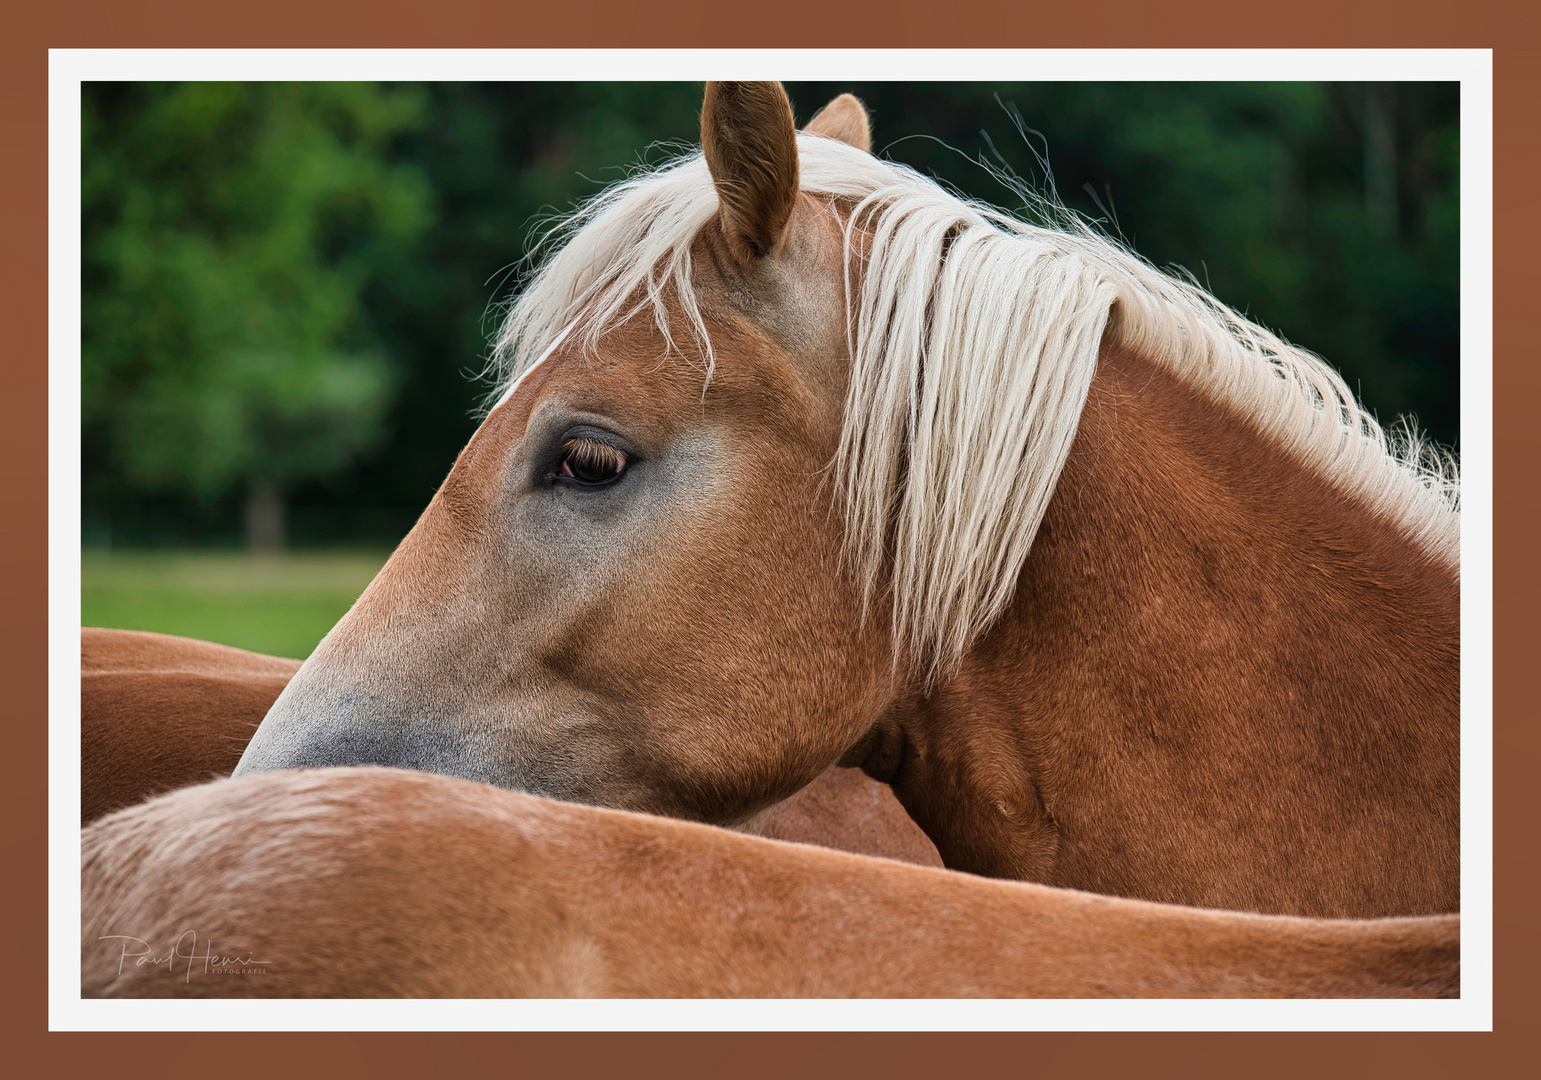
(845, 119)
(750, 144)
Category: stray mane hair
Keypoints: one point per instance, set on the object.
(975, 336)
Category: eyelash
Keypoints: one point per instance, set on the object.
(597, 459)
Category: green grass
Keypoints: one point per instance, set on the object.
(282, 605)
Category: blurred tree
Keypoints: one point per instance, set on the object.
(229, 233)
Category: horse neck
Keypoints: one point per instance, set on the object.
(1197, 606)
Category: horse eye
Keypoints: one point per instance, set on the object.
(589, 461)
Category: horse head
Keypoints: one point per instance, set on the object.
(629, 590)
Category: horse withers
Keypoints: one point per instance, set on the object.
(800, 460)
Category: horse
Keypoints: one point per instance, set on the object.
(160, 712)
(798, 459)
(332, 883)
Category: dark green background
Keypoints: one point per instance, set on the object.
(380, 224)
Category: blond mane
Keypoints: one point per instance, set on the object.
(976, 335)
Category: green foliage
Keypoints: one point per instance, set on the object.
(230, 232)
(263, 291)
